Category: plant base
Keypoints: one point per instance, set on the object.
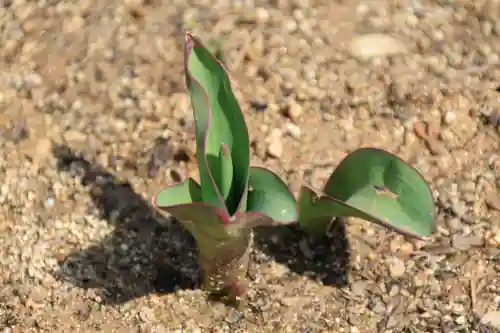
(225, 274)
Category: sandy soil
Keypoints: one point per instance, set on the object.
(95, 119)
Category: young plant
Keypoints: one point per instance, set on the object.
(231, 197)
(376, 186)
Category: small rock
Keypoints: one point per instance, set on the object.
(275, 147)
(358, 288)
(396, 267)
(449, 117)
(279, 270)
(289, 301)
(419, 279)
(294, 110)
(378, 306)
(466, 242)
(460, 320)
(73, 136)
(492, 319)
(262, 14)
(406, 249)
(454, 224)
(376, 45)
(293, 130)
(291, 25)
(458, 207)
(33, 79)
(147, 315)
(75, 24)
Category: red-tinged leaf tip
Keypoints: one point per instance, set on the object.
(188, 47)
(183, 210)
(190, 39)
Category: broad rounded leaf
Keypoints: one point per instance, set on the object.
(269, 195)
(218, 121)
(386, 189)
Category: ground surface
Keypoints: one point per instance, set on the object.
(94, 119)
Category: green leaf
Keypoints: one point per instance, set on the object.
(224, 174)
(218, 120)
(318, 210)
(206, 223)
(269, 195)
(179, 194)
(377, 186)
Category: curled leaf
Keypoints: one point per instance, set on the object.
(377, 186)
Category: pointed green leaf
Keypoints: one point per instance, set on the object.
(178, 194)
(269, 195)
(377, 186)
(218, 120)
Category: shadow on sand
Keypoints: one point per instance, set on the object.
(148, 253)
(325, 259)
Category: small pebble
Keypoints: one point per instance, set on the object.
(147, 315)
(376, 45)
(262, 14)
(73, 136)
(293, 130)
(466, 242)
(449, 117)
(396, 267)
(294, 110)
(492, 319)
(275, 148)
(454, 224)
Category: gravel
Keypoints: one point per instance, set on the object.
(95, 119)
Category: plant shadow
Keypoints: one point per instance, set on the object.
(325, 259)
(146, 253)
